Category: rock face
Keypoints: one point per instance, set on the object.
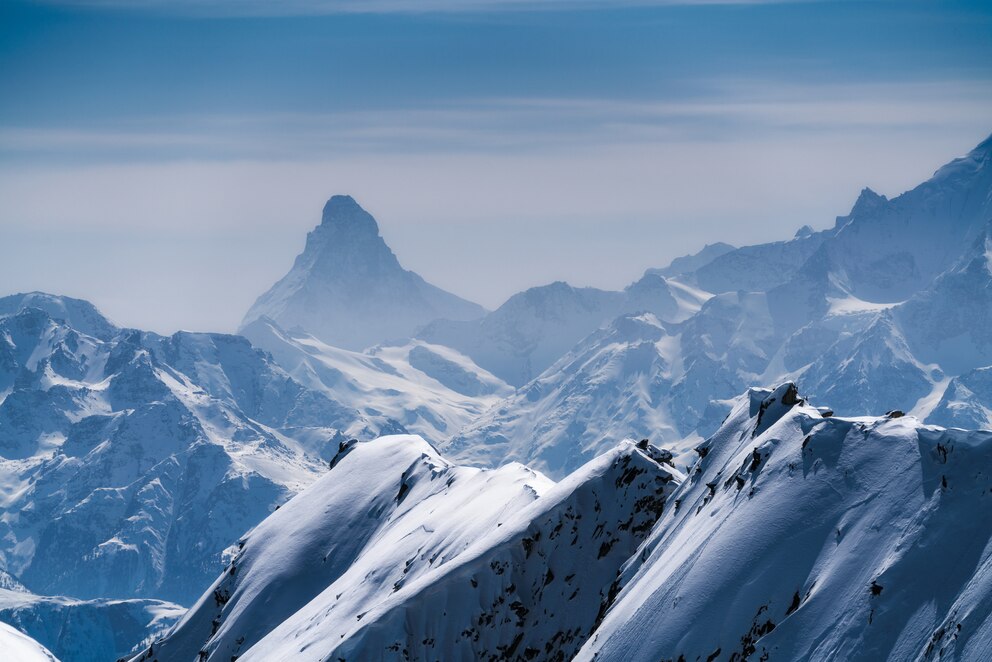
(348, 289)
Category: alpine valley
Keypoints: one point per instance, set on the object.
(779, 451)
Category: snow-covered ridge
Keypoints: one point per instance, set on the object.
(397, 549)
(387, 512)
(795, 535)
(803, 537)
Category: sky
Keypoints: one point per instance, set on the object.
(165, 159)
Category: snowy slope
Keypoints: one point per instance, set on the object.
(454, 563)
(348, 289)
(416, 387)
(801, 537)
(19, 647)
(614, 384)
(388, 512)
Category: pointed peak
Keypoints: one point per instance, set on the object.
(868, 202)
(341, 212)
(869, 197)
(804, 231)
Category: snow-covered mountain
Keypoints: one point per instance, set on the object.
(416, 387)
(809, 308)
(130, 462)
(799, 537)
(83, 630)
(135, 468)
(794, 535)
(527, 334)
(883, 250)
(397, 553)
(348, 289)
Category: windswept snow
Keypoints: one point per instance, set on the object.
(19, 647)
(803, 537)
(398, 550)
(794, 535)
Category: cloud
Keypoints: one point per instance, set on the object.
(723, 111)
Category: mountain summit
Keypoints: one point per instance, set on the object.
(348, 289)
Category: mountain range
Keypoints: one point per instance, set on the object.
(377, 469)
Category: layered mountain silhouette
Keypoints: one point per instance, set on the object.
(348, 289)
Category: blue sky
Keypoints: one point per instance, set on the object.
(165, 159)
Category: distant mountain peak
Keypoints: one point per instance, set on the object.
(78, 313)
(868, 203)
(868, 199)
(348, 289)
(342, 212)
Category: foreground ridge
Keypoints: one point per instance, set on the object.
(795, 535)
